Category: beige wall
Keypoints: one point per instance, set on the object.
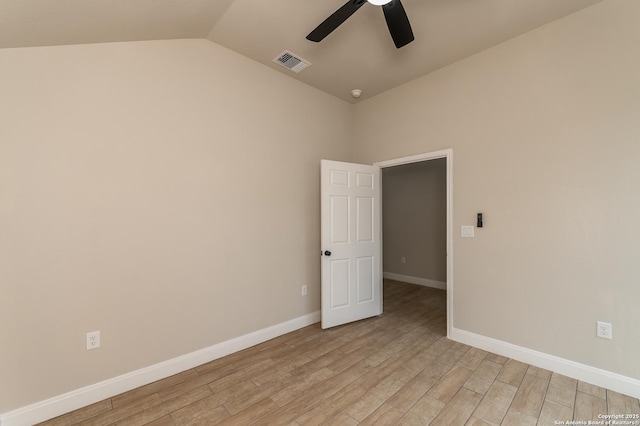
(165, 193)
(414, 216)
(545, 132)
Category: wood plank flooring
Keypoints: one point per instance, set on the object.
(396, 369)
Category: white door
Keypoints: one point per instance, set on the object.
(351, 242)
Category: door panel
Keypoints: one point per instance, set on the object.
(339, 275)
(364, 180)
(364, 279)
(364, 219)
(339, 219)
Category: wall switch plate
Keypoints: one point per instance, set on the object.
(304, 290)
(467, 231)
(93, 340)
(604, 330)
(403, 259)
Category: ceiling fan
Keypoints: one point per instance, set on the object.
(394, 13)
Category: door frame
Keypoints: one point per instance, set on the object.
(448, 155)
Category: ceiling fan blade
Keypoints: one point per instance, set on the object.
(398, 23)
(334, 21)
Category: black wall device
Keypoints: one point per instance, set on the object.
(479, 224)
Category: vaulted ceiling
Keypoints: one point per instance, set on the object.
(358, 55)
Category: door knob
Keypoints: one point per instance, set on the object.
(327, 253)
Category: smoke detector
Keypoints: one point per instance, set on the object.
(291, 61)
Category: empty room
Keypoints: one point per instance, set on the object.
(171, 251)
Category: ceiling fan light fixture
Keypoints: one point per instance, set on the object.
(379, 2)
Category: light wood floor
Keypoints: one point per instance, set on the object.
(396, 369)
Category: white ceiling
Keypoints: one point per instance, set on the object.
(358, 55)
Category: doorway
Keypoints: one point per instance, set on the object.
(445, 156)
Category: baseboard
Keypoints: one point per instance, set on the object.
(606, 379)
(415, 280)
(79, 398)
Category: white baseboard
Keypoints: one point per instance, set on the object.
(596, 376)
(79, 398)
(415, 280)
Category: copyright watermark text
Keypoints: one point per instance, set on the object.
(605, 420)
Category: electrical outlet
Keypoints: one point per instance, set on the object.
(304, 290)
(403, 259)
(93, 340)
(603, 330)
